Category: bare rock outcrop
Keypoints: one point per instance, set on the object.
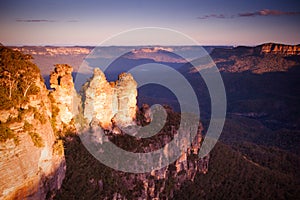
(111, 103)
(125, 93)
(64, 95)
(273, 48)
(99, 102)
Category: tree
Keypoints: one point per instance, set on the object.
(18, 76)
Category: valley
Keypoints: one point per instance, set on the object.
(256, 157)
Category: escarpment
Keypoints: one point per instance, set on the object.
(32, 162)
(108, 183)
(269, 57)
(273, 48)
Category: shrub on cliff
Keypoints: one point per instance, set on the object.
(7, 133)
(36, 139)
(17, 78)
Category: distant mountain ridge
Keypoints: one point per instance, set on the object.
(47, 56)
(266, 48)
(269, 57)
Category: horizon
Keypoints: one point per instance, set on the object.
(154, 45)
(77, 23)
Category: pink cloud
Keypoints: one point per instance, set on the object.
(264, 12)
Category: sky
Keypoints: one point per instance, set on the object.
(209, 22)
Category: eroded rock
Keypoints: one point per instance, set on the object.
(111, 103)
(64, 95)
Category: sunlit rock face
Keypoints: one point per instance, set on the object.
(111, 103)
(30, 172)
(31, 169)
(99, 100)
(126, 93)
(280, 49)
(64, 93)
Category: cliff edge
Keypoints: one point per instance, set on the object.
(32, 162)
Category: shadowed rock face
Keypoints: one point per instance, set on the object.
(110, 103)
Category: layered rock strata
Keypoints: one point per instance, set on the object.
(32, 164)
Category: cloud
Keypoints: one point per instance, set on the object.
(43, 20)
(267, 12)
(34, 20)
(264, 12)
(220, 16)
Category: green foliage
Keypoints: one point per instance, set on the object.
(55, 111)
(17, 78)
(6, 133)
(82, 167)
(34, 90)
(51, 98)
(22, 113)
(27, 126)
(67, 130)
(36, 139)
(58, 147)
(232, 175)
(5, 103)
(40, 117)
(79, 119)
(53, 125)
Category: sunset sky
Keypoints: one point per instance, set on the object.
(210, 22)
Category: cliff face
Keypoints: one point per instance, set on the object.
(114, 104)
(264, 58)
(279, 49)
(32, 162)
(104, 182)
(110, 103)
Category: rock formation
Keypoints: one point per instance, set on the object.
(125, 93)
(279, 49)
(64, 95)
(99, 102)
(110, 103)
(32, 162)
